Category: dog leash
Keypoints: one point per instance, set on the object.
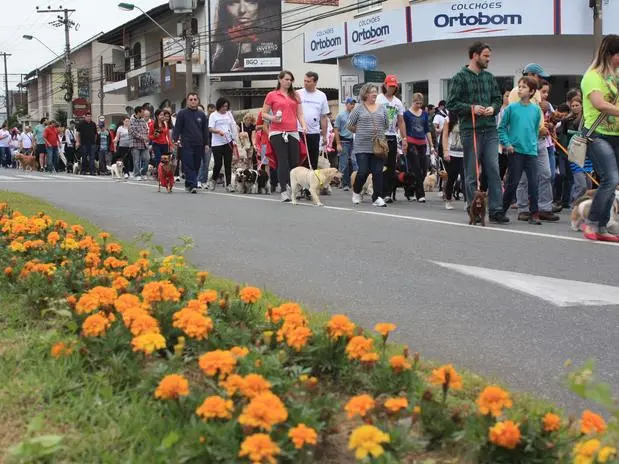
(564, 150)
(475, 143)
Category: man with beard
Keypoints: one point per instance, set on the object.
(475, 97)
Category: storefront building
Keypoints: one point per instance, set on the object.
(426, 43)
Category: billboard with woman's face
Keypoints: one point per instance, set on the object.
(246, 36)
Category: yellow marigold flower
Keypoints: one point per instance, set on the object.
(131, 271)
(104, 235)
(340, 326)
(384, 328)
(417, 410)
(504, 434)
(164, 290)
(194, 324)
(17, 247)
(395, 404)
(144, 254)
(215, 407)
(239, 351)
(367, 439)
(259, 448)
(264, 411)
(69, 244)
(302, 435)
(359, 405)
(232, 384)
(584, 452)
(250, 295)
(172, 387)
(297, 338)
(61, 349)
(275, 315)
(144, 324)
(492, 400)
(446, 376)
(253, 385)
(148, 342)
(208, 296)
(53, 238)
(591, 422)
(120, 284)
(217, 362)
(551, 422)
(114, 248)
(358, 346)
(606, 454)
(399, 363)
(95, 325)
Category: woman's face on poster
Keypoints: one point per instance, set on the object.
(243, 12)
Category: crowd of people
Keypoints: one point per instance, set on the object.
(511, 144)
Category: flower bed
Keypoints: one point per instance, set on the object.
(263, 384)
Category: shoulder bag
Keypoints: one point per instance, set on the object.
(380, 147)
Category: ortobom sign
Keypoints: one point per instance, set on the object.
(376, 31)
(323, 44)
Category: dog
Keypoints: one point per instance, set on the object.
(582, 206)
(458, 188)
(477, 209)
(165, 173)
(77, 166)
(314, 181)
(249, 180)
(116, 170)
(368, 187)
(262, 182)
(429, 183)
(405, 180)
(26, 162)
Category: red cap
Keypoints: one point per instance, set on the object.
(391, 80)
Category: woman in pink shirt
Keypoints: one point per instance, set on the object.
(283, 110)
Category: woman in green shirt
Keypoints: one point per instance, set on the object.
(600, 85)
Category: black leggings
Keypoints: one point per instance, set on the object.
(313, 149)
(287, 154)
(417, 164)
(223, 153)
(454, 166)
(389, 173)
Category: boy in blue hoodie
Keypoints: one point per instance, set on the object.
(518, 134)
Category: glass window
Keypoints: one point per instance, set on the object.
(415, 87)
(137, 55)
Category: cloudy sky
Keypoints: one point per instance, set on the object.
(93, 16)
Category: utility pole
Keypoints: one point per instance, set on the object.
(68, 77)
(101, 94)
(598, 35)
(188, 53)
(7, 100)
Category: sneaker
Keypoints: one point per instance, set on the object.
(380, 203)
(229, 189)
(548, 216)
(211, 185)
(534, 219)
(557, 208)
(126, 176)
(194, 190)
(499, 218)
(356, 198)
(177, 179)
(200, 185)
(138, 178)
(388, 200)
(421, 200)
(449, 204)
(524, 216)
(346, 189)
(285, 196)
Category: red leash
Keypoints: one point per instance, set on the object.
(475, 144)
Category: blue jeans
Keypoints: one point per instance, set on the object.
(369, 163)
(140, 161)
(5, 157)
(192, 156)
(544, 184)
(604, 154)
(52, 158)
(488, 154)
(158, 150)
(203, 173)
(519, 164)
(88, 158)
(345, 157)
(581, 184)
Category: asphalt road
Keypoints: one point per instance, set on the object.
(379, 264)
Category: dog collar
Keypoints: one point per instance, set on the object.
(316, 171)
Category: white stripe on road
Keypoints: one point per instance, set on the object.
(7, 178)
(30, 176)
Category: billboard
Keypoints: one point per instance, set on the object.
(378, 30)
(245, 37)
(325, 43)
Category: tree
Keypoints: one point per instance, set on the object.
(61, 118)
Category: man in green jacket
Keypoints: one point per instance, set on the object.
(475, 90)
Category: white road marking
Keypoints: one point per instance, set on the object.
(7, 178)
(31, 176)
(559, 292)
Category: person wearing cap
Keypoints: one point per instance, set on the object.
(476, 99)
(395, 116)
(343, 143)
(544, 175)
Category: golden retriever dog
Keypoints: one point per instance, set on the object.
(368, 187)
(582, 206)
(26, 162)
(314, 181)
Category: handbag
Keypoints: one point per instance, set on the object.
(577, 148)
(380, 147)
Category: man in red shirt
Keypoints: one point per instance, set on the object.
(50, 135)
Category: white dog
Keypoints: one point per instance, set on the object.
(76, 167)
(116, 169)
(580, 213)
(368, 187)
(314, 181)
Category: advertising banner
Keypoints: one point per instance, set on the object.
(245, 38)
(325, 43)
(378, 30)
(610, 13)
(149, 83)
(315, 2)
(466, 19)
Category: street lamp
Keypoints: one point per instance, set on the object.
(30, 37)
(130, 7)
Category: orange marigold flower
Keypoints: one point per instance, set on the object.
(370, 358)
(164, 290)
(302, 435)
(340, 326)
(208, 296)
(277, 314)
(385, 328)
(591, 422)
(95, 325)
(358, 346)
(131, 271)
(148, 342)
(71, 301)
(126, 301)
(446, 376)
(202, 276)
(217, 362)
(8, 271)
(114, 248)
(92, 260)
(172, 387)
(232, 384)
(505, 434)
(197, 306)
(53, 238)
(492, 400)
(551, 422)
(250, 295)
(132, 313)
(215, 407)
(297, 338)
(104, 235)
(253, 385)
(259, 448)
(359, 405)
(120, 284)
(239, 351)
(61, 349)
(144, 254)
(96, 298)
(264, 411)
(395, 404)
(194, 324)
(78, 230)
(114, 263)
(144, 324)
(399, 363)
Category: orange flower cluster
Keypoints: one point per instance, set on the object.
(384, 328)
(504, 434)
(172, 387)
(551, 422)
(239, 351)
(208, 296)
(359, 405)
(95, 325)
(144, 324)
(34, 266)
(340, 326)
(217, 362)
(96, 298)
(158, 291)
(492, 400)
(446, 376)
(215, 407)
(591, 423)
(302, 435)
(279, 313)
(53, 238)
(399, 363)
(394, 405)
(60, 350)
(359, 346)
(250, 295)
(259, 448)
(264, 411)
(193, 323)
(114, 263)
(114, 249)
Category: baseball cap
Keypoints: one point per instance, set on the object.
(535, 68)
(391, 80)
(350, 100)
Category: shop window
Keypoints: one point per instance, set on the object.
(137, 55)
(416, 87)
(560, 85)
(365, 6)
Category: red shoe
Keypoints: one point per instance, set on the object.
(607, 237)
(590, 235)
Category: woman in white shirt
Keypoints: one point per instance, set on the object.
(453, 154)
(5, 144)
(122, 147)
(27, 141)
(223, 128)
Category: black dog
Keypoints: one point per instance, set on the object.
(458, 191)
(264, 186)
(405, 180)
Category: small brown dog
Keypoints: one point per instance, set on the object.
(165, 173)
(477, 209)
(26, 162)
